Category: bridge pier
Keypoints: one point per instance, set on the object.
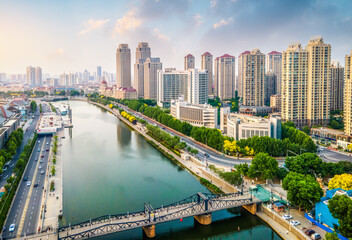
(252, 208)
(204, 219)
(149, 231)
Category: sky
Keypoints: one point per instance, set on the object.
(73, 35)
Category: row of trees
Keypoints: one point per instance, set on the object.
(340, 207)
(13, 142)
(233, 177)
(129, 117)
(165, 138)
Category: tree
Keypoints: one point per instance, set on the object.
(194, 151)
(19, 165)
(302, 190)
(243, 168)
(343, 181)
(10, 180)
(331, 236)
(33, 105)
(306, 130)
(233, 177)
(263, 166)
(306, 163)
(231, 147)
(334, 124)
(340, 207)
(282, 173)
(349, 147)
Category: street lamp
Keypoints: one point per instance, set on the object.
(319, 217)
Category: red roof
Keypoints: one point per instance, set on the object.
(189, 56)
(103, 82)
(227, 56)
(206, 54)
(274, 52)
(245, 52)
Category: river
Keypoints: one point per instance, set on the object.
(109, 169)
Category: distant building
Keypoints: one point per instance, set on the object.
(20, 105)
(240, 126)
(207, 64)
(225, 77)
(38, 76)
(224, 111)
(255, 110)
(31, 76)
(189, 62)
(123, 66)
(151, 68)
(117, 92)
(336, 85)
(275, 102)
(347, 99)
(332, 136)
(98, 72)
(274, 65)
(142, 53)
(270, 86)
(3, 77)
(200, 115)
(52, 82)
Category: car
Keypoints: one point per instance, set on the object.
(41, 160)
(42, 172)
(287, 217)
(309, 232)
(47, 143)
(36, 159)
(36, 185)
(12, 227)
(42, 156)
(316, 236)
(25, 179)
(206, 154)
(4, 168)
(38, 141)
(38, 149)
(295, 223)
(28, 183)
(40, 167)
(47, 149)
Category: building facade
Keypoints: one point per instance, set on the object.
(224, 77)
(189, 62)
(270, 86)
(253, 78)
(142, 53)
(123, 66)
(274, 65)
(336, 85)
(151, 68)
(347, 99)
(275, 102)
(207, 64)
(197, 86)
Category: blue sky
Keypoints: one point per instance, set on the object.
(69, 36)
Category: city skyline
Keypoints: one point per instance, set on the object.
(81, 38)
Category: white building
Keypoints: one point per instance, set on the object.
(195, 114)
(240, 126)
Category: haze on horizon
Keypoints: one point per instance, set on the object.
(70, 36)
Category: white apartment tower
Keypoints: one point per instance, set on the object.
(347, 104)
(123, 66)
(197, 86)
(38, 76)
(30, 75)
(142, 53)
(151, 67)
(224, 77)
(207, 64)
(189, 62)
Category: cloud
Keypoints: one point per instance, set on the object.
(198, 19)
(213, 3)
(128, 22)
(223, 22)
(92, 25)
(160, 35)
(57, 52)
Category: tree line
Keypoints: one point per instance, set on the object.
(11, 145)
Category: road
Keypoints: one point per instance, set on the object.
(27, 202)
(26, 136)
(328, 155)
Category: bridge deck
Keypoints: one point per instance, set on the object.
(195, 205)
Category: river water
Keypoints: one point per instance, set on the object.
(110, 169)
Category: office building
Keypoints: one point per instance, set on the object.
(207, 64)
(151, 68)
(347, 98)
(270, 86)
(274, 65)
(30, 76)
(336, 86)
(199, 115)
(189, 62)
(142, 53)
(224, 77)
(241, 126)
(252, 78)
(123, 66)
(275, 103)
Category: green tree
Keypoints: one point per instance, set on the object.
(263, 166)
(302, 190)
(33, 105)
(306, 163)
(340, 207)
(334, 124)
(243, 168)
(331, 236)
(194, 151)
(282, 173)
(306, 130)
(233, 177)
(19, 165)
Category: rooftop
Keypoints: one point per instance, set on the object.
(189, 56)
(274, 52)
(206, 54)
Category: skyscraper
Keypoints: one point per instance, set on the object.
(273, 64)
(123, 66)
(224, 77)
(336, 86)
(189, 62)
(347, 104)
(197, 86)
(207, 64)
(319, 63)
(142, 53)
(30, 76)
(38, 76)
(98, 72)
(270, 86)
(241, 72)
(253, 78)
(151, 67)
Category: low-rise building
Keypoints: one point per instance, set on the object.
(49, 123)
(241, 126)
(115, 92)
(332, 136)
(255, 110)
(20, 105)
(195, 114)
(9, 122)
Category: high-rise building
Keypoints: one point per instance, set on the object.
(224, 77)
(207, 64)
(319, 63)
(294, 85)
(30, 76)
(99, 72)
(197, 86)
(347, 104)
(151, 67)
(241, 72)
(253, 78)
(275, 102)
(85, 75)
(189, 62)
(270, 86)
(123, 66)
(274, 65)
(38, 76)
(336, 86)
(306, 77)
(2, 76)
(142, 53)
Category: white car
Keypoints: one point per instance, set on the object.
(12, 227)
(28, 183)
(294, 223)
(287, 217)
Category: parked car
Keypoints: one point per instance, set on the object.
(287, 217)
(309, 232)
(12, 227)
(28, 183)
(294, 223)
(316, 236)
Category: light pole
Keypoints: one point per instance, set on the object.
(319, 217)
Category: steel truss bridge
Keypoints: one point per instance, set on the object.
(197, 204)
